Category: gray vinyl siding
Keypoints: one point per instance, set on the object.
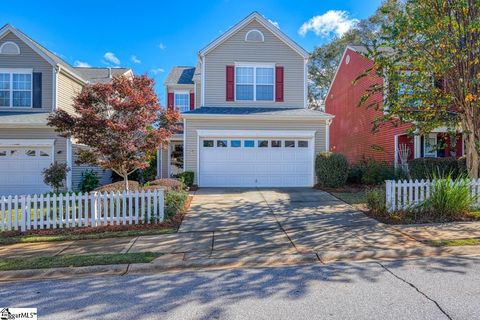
(29, 59)
(60, 144)
(273, 50)
(190, 148)
(198, 94)
(68, 89)
(105, 176)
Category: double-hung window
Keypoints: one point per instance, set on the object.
(182, 101)
(254, 83)
(15, 88)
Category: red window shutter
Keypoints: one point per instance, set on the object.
(170, 100)
(230, 83)
(192, 100)
(278, 84)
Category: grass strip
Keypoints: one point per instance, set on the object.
(83, 236)
(76, 260)
(456, 242)
(351, 197)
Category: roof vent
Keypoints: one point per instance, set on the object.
(9, 47)
(254, 35)
(109, 73)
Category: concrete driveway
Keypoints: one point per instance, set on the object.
(246, 222)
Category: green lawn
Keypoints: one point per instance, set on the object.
(457, 242)
(77, 260)
(351, 197)
(84, 236)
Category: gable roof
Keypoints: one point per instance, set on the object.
(100, 75)
(78, 73)
(181, 75)
(265, 23)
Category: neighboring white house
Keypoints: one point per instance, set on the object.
(33, 83)
(244, 108)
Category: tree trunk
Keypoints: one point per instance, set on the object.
(125, 179)
(472, 155)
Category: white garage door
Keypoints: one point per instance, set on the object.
(256, 162)
(21, 169)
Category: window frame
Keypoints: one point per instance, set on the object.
(430, 151)
(254, 66)
(11, 72)
(181, 92)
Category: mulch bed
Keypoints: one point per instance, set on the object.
(410, 217)
(174, 222)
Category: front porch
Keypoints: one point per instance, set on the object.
(437, 144)
(170, 158)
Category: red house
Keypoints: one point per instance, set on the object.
(351, 130)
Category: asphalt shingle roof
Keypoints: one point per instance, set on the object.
(99, 75)
(181, 75)
(19, 118)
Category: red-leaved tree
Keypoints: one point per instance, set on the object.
(121, 123)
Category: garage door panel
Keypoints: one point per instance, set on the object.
(21, 169)
(255, 166)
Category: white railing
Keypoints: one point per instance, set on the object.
(80, 210)
(402, 195)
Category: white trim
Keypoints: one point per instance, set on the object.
(322, 117)
(159, 169)
(254, 65)
(305, 83)
(169, 158)
(256, 133)
(417, 146)
(184, 144)
(265, 23)
(69, 163)
(10, 42)
(26, 142)
(198, 158)
(336, 71)
(395, 148)
(254, 30)
(202, 82)
(55, 89)
(194, 94)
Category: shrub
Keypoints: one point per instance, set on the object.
(168, 184)
(377, 172)
(448, 198)
(427, 168)
(372, 172)
(187, 177)
(376, 200)
(55, 175)
(89, 181)
(174, 202)
(119, 187)
(331, 169)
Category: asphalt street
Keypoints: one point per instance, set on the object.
(436, 288)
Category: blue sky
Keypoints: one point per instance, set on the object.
(153, 36)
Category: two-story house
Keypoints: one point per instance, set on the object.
(351, 132)
(244, 109)
(33, 83)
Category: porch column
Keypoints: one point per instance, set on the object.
(417, 145)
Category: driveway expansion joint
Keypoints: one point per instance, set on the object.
(129, 245)
(416, 289)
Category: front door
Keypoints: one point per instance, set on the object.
(176, 158)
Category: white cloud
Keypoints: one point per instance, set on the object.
(162, 46)
(157, 70)
(81, 64)
(333, 21)
(275, 23)
(136, 60)
(111, 57)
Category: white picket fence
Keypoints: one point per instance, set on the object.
(402, 195)
(81, 210)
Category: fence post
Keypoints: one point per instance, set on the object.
(388, 194)
(23, 206)
(94, 207)
(161, 204)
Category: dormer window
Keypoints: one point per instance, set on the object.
(9, 47)
(254, 35)
(182, 101)
(16, 88)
